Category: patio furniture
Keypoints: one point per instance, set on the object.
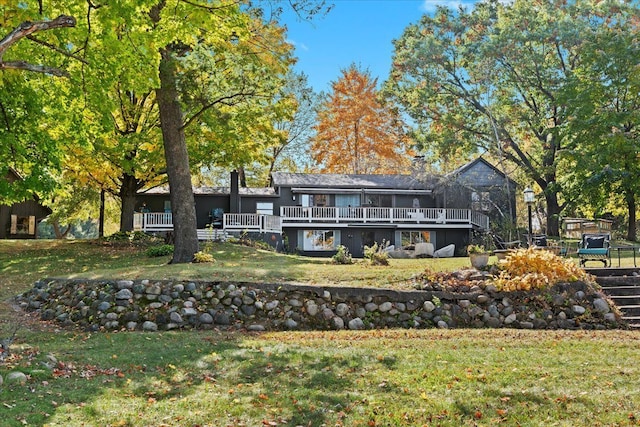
(595, 247)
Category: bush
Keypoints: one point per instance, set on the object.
(161, 250)
(203, 257)
(342, 256)
(526, 269)
(376, 254)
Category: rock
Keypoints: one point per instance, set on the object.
(601, 305)
(149, 326)
(428, 306)
(222, 318)
(385, 306)
(442, 324)
(356, 324)
(132, 326)
(510, 319)
(312, 309)
(337, 322)
(175, 317)
(578, 309)
(342, 309)
(610, 317)
(482, 298)
(526, 325)
(124, 284)
(271, 305)
(290, 324)
(206, 318)
(295, 303)
(371, 307)
(189, 311)
(256, 328)
(104, 306)
(464, 303)
(16, 377)
(124, 294)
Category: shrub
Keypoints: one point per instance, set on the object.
(201, 256)
(161, 250)
(376, 254)
(342, 256)
(526, 269)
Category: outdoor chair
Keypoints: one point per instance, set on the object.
(594, 247)
(502, 245)
(215, 217)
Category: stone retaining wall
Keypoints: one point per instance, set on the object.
(151, 305)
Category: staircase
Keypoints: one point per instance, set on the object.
(623, 287)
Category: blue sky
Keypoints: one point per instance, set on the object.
(355, 31)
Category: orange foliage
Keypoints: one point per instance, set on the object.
(356, 133)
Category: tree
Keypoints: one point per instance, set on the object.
(356, 132)
(604, 105)
(490, 80)
(31, 150)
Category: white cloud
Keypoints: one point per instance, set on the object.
(429, 6)
(297, 45)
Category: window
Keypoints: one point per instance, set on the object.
(379, 200)
(320, 240)
(481, 201)
(408, 238)
(263, 208)
(314, 199)
(167, 206)
(23, 225)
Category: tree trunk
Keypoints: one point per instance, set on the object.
(128, 198)
(56, 229)
(101, 218)
(177, 158)
(553, 213)
(631, 208)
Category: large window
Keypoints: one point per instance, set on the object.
(409, 238)
(320, 240)
(264, 208)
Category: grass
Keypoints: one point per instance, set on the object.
(368, 378)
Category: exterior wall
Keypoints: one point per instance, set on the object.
(26, 209)
(355, 239)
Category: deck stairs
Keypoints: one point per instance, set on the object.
(623, 287)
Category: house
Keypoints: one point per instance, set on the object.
(482, 187)
(312, 214)
(20, 220)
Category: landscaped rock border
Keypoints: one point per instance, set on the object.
(152, 305)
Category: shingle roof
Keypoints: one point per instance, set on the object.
(405, 182)
(244, 191)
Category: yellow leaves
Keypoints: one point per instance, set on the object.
(527, 269)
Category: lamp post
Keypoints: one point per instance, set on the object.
(529, 198)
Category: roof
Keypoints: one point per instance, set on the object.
(210, 191)
(400, 182)
(462, 170)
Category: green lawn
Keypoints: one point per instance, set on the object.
(371, 378)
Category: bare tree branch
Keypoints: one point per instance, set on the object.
(25, 30)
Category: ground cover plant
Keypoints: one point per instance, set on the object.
(368, 378)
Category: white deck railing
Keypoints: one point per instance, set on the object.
(354, 215)
(154, 221)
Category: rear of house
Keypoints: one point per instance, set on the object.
(313, 214)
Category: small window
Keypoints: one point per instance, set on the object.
(481, 201)
(167, 206)
(23, 225)
(264, 208)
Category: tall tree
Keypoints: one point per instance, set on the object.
(604, 105)
(489, 80)
(357, 132)
(28, 56)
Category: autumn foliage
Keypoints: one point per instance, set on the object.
(527, 269)
(356, 132)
